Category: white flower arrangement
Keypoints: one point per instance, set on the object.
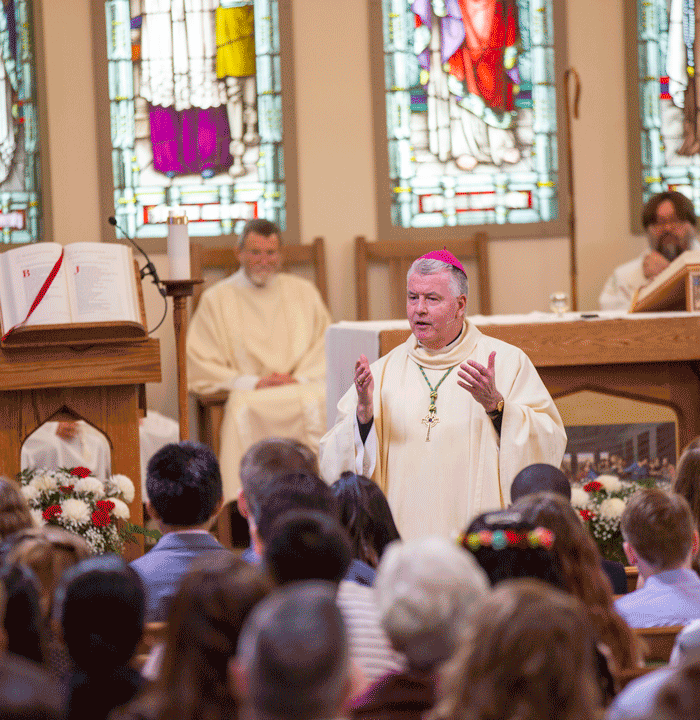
(77, 501)
(611, 483)
(124, 487)
(600, 503)
(579, 497)
(90, 486)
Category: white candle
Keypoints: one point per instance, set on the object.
(178, 247)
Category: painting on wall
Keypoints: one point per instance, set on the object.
(20, 173)
(667, 35)
(636, 451)
(195, 105)
(472, 126)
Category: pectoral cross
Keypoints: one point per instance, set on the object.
(429, 420)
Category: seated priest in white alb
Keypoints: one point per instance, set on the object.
(444, 422)
(259, 334)
(55, 445)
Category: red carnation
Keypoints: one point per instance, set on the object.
(80, 471)
(106, 505)
(51, 512)
(586, 515)
(100, 518)
(593, 486)
(66, 488)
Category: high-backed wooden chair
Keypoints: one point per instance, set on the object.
(399, 256)
(659, 641)
(214, 263)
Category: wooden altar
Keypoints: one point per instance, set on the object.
(99, 383)
(654, 359)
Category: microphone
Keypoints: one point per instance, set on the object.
(149, 268)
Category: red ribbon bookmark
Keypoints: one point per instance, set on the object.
(40, 295)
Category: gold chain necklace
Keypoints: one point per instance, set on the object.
(431, 419)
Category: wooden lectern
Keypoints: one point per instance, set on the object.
(99, 383)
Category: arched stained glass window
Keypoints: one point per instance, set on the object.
(668, 55)
(471, 112)
(20, 196)
(195, 113)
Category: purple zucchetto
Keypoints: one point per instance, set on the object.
(445, 256)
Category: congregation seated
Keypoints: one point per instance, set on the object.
(100, 606)
(184, 498)
(366, 515)
(687, 484)
(541, 477)
(311, 545)
(661, 539)
(261, 465)
(14, 511)
(583, 575)
(204, 623)
(426, 591)
(297, 491)
(293, 661)
(48, 552)
(533, 657)
(307, 545)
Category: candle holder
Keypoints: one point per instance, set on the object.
(179, 291)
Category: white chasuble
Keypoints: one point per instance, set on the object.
(241, 333)
(437, 486)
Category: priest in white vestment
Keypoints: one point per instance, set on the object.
(260, 334)
(444, 422)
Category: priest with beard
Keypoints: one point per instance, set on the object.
(669, 221)
(444, 422)
(259, 334)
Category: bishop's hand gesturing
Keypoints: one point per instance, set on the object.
(364, 384)
(480, 381)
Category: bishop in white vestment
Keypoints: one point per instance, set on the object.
(260, 335)
(454, 414)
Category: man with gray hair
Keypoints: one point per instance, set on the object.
(259, 335)
(444, 422)
(293, 661)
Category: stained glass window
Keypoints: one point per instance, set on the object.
(471, 111)
(195, 113)
(20, 196)
(668, 55)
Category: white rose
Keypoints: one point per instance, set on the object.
(76, 510)
(124, 487)
(37, 517)
(30, 492)
(612, 508)
(579, 497)
(91, 486)
(611, 483)
(121, 509)
(44, 482)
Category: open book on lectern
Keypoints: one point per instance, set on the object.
(95, 288)
(675, 288)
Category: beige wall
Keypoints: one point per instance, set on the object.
(336, 163)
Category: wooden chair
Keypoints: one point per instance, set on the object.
(153, 634)
(400, 255)
(659, 641)
(221, 261)
(632, 577)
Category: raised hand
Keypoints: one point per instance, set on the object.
(480, 382)
(364, 384)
